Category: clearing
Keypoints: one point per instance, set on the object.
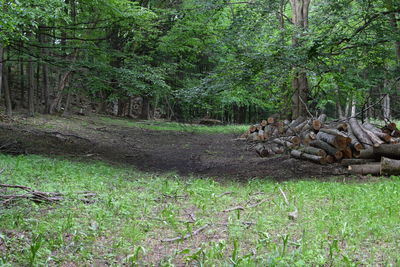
(139, 215)
(156, 147)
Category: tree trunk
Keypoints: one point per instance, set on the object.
(67, 104)
(386, 103)
(299, 83)
(31, 89)
(60, 90)
(22, 83)
(145, 115)
(1, 67)
(45, 71)
(7, 95)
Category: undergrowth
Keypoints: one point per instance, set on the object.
(338, 224)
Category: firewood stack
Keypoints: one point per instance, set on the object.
(359, 146)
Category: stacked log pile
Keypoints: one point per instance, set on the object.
(364, 148)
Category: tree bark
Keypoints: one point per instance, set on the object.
(386, 102)
(390, 166)
(301, 155)
(31, 89)
(45, 71)
(362, 137)
(299, 83)
(22, 84)
(1, 67)
(387, 150)
(145, 115)
(328, 148)
(371, 168)
(60, 90)
(7, 95)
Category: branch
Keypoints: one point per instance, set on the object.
(186, 236)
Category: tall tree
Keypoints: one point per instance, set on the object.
(300, 9)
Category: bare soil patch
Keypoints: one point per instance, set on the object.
(203, 155)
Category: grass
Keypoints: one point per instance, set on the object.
(338, 224)
(175, 126)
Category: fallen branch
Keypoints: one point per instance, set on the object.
(39, 196)
(199, 230)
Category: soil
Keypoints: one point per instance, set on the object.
(188, 154)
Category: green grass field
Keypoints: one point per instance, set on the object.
(338, 224)
(176, 126)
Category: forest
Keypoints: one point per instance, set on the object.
(236, 61)
(199, 133)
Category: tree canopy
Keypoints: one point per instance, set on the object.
(231, 60)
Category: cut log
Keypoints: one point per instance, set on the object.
(253, 136)
(293, 139)
(322, 118)
(330, 150)
(300, 155)
(296, 122)
(364, 169)
(271, 120)
(308, 137)
(338, 141)
(383, 136)
(262, 150)
(391, 129)
(316, 124)
(347, 153)
(283, 142)
(300, 126)
(330, 159)
(375, 139)
(342, 127)
(252, 128)
(347, 162)
(390, 166)
(340, 135)
(387, 150)
(355, 144)
(362, 137)
(366, 154)
(314, 151)
(277, 149)
(264, 123)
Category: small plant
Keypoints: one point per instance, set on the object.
(133, 259)
(36, 244)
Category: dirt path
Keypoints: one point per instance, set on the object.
(203, 155)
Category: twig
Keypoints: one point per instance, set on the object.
(284, 196)
(186, 236)
(224, 194)
(257, 204)
(2, 170)
(38, 195)
(234, 208)
(192, 216)
(305, 105)
(16, 186)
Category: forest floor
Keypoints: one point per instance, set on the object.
(189, 150)
(167, 194)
